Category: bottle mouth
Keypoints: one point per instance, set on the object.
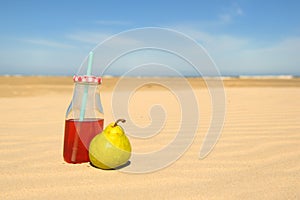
(87, 79)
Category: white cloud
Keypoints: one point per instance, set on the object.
(225, 18)
(284, 53)
(88, 37)
(239, 11)
(112, 22)
(230, 13)
(215, 42)
(98, 37)
(48, 43)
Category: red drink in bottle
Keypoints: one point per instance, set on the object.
(80, 132)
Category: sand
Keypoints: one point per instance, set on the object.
(256, 157)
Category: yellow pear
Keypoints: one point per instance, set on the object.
(111, 148)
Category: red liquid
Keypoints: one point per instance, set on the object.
(78, 135)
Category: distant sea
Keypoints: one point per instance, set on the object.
(212, 77)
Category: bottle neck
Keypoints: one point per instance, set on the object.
(86, 101)
(85, 88)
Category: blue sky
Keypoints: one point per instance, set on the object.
(243, 37)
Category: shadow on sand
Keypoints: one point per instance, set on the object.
(117, 168)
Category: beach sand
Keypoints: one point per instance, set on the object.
(256, 157)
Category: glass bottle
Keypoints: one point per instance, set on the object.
(84, 119)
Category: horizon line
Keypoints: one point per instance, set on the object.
(222, 77)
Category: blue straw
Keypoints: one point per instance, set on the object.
(86, 88)
(82, 109)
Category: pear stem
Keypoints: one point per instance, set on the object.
(119, 120)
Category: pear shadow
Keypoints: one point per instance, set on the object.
(112, 169)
